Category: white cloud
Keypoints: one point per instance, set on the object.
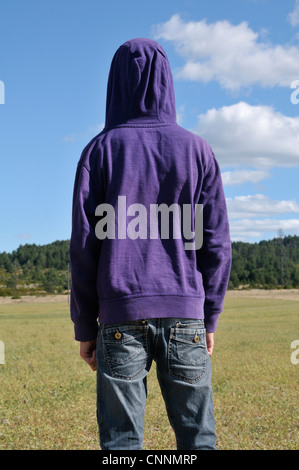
(259, 205)
(248, 229)
(238, 177)
(84, 135)
(24, 236)
(258, 217)
(180, 114)
(255, 136)
(293, 17)
(232, 55)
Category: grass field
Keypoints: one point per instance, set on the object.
(47, 393)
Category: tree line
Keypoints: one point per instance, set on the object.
(44, 269)
(35, 269)
(268, 264)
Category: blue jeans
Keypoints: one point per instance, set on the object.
(125, 352)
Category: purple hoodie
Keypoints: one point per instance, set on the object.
(144, 157)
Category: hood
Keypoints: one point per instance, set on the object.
(140, 85)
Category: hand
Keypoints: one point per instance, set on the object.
(88, 353)
(210, 342)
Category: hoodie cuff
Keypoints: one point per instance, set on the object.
(211, 320)
(84, 332)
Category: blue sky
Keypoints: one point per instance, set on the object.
(233, 63)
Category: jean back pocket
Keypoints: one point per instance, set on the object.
(125, 347)
(187, 353)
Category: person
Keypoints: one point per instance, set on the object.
(141, 291)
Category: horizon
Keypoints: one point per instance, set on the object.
(232, 242)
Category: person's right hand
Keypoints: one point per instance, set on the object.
(210, 342)
(88, 353)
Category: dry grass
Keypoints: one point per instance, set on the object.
(47, 393)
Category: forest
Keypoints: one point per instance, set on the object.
(44, 269)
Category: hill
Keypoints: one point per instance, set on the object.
(267, 264)
(42, 269)
(35, 269)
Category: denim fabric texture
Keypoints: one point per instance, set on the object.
(125, 352)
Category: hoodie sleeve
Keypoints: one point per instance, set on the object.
(84, 256)
(214, 257)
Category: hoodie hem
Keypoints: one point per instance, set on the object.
(156, 306)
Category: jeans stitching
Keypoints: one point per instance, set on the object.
(188, 437)
(143, 347)
(171, 362)
(155, 342)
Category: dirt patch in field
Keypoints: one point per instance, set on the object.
(35, 299)
(283, 294)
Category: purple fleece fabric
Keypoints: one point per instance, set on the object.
(144, 155)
